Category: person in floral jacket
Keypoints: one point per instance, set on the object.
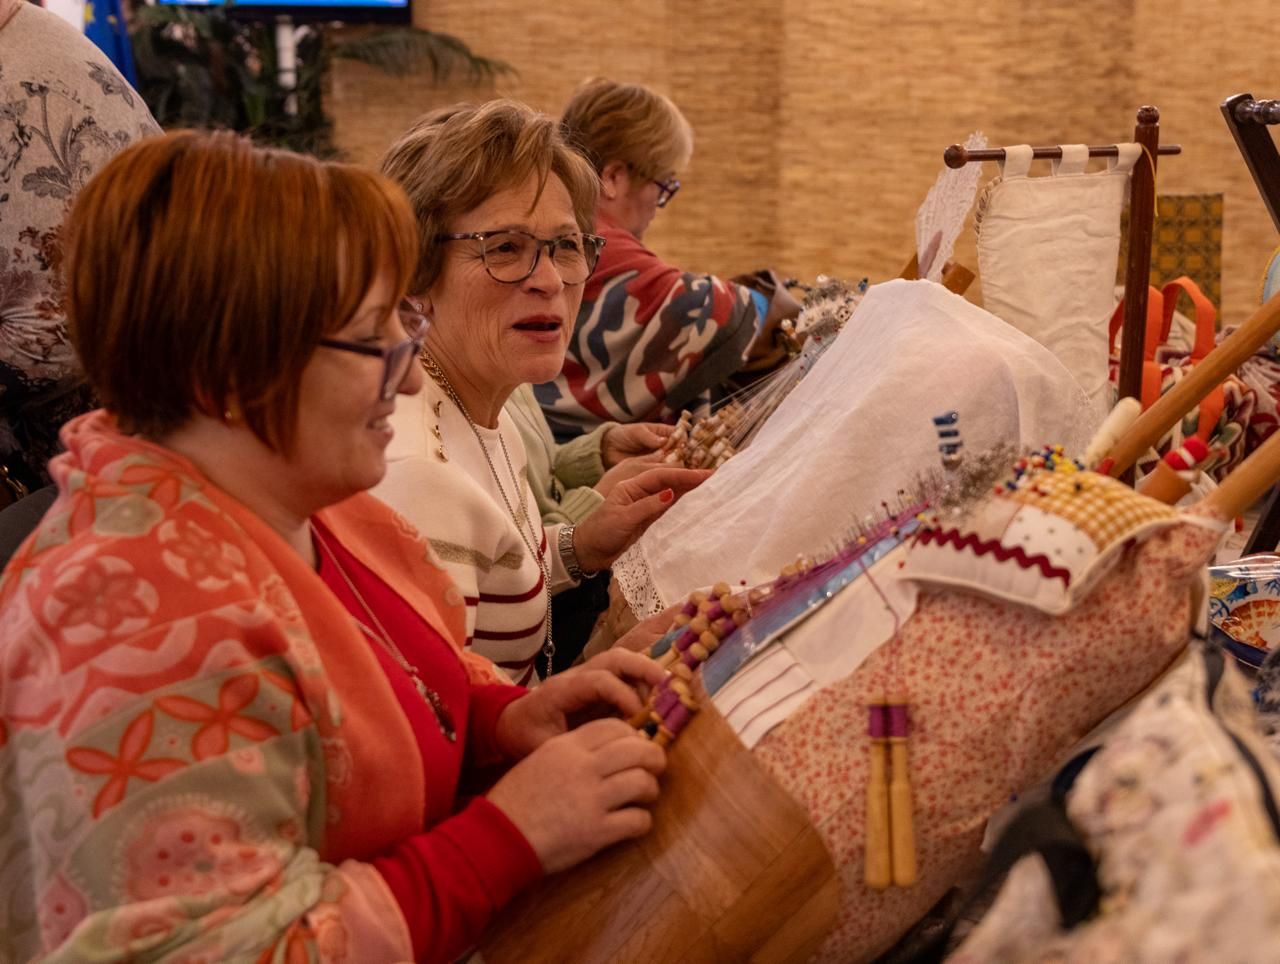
(64, 112)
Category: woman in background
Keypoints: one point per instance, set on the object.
(64, 112)
(650, 339)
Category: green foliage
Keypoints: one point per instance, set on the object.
(201, 68)
(403, 51)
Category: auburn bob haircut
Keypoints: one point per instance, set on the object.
(201, 271)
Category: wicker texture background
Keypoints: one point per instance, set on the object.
(820, 124)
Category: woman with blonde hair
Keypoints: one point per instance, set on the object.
(505, 210)
(650, 339)
(236, 718)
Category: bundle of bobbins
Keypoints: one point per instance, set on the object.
(703, 623)
(706, 443)
(698, 629)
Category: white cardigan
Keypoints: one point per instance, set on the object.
(455, 502)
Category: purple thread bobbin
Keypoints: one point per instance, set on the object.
(665, 700)
(677, 718)
(686, 639)
(877, 722)
(897, 714)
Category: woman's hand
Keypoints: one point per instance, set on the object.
(617, 681)
(581, 791)
(649, 630)
(627, 469)
(627, 441)
(627, 511)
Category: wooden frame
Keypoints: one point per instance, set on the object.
(1142, 199)
(1247, 119)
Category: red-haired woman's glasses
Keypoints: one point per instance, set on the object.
(396, 359)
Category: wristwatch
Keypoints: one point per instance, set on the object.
(569, 556)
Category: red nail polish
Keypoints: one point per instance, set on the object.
(666, 496)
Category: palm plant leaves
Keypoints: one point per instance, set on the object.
(410, 50)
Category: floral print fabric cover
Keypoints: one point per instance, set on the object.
(1174, 810)
(997, 692)
(64, 112)
(196, 744)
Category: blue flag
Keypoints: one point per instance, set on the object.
(105, 25)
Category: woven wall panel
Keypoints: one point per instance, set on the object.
(821, 123)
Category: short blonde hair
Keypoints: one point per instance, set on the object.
(182, 298)
(452, 159)
(609, 121)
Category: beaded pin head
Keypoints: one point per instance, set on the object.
(950, 444)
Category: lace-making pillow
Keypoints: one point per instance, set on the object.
(1044, 540)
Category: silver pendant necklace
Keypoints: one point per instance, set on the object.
(530, 541)
(443, 717)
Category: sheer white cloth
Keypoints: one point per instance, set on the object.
(854, 432)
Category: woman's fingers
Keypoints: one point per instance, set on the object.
(633, 753)
(628, 788)
(634, 666)
(589, 687)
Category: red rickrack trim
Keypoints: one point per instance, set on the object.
(1003, 553)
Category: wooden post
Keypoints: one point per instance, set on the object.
(1142, 202)
(1247, 119)
(1137, 276)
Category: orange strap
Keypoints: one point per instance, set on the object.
(1160, 308)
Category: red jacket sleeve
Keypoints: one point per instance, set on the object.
(487, 704)
(451, 880)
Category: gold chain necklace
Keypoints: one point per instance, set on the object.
(443, 717)
(437, 374)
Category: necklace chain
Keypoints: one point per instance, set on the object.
(443, 717)
(531, 541)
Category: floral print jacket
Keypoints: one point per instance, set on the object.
(64, 112)
(198, 750)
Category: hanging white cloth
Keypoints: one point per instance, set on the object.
(1047, 254)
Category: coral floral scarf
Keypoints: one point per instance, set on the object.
(197, 747)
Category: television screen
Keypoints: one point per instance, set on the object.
(386, 11)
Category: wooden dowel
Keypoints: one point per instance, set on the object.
(1155, 422)
(957, 155)
(1244, 486)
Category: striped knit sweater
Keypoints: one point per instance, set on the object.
(455, 501)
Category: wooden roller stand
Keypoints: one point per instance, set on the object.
(731, 871)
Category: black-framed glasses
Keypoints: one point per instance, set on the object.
(666, 190)
(397, 359)
(512, 256)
